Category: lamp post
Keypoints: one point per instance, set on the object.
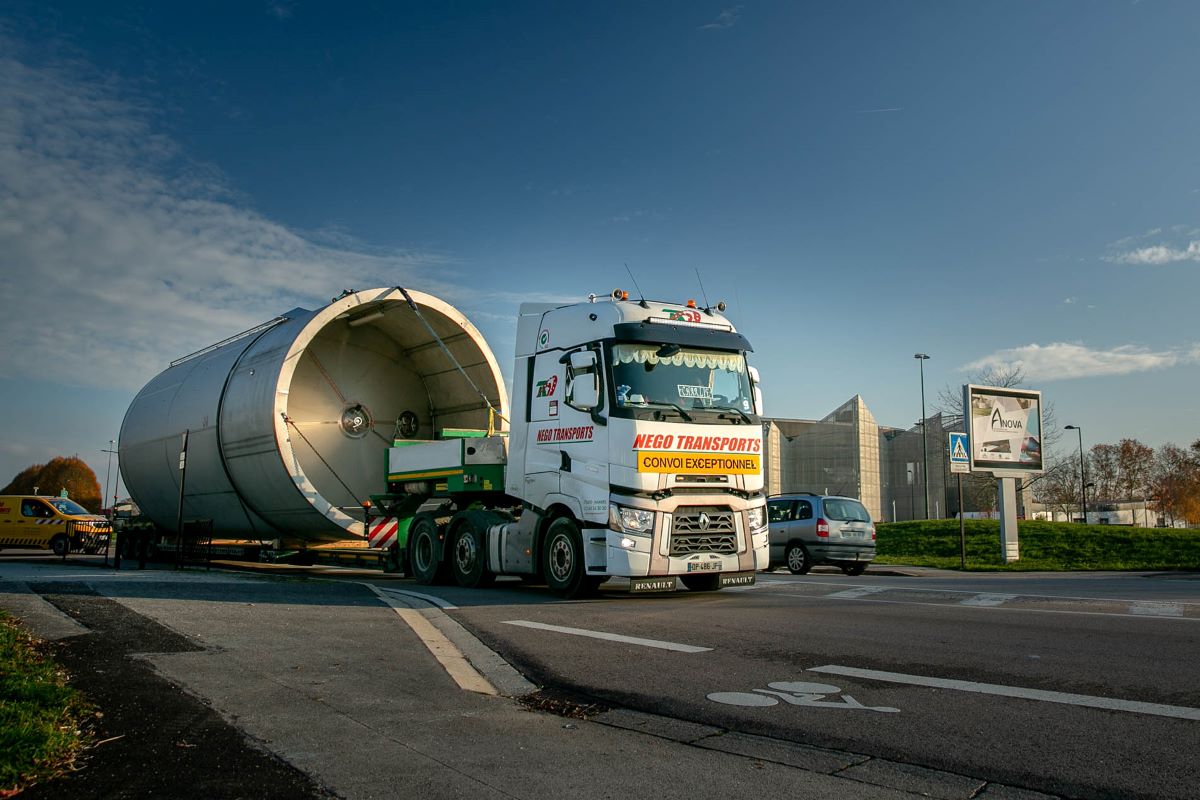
(107, 474)
(1082, 474)
(921, 359)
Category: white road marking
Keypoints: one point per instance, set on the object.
(988, 600)
(428, 598)
(1148, 609)
(612, 637)
(856, 592)
(450, 657)
(1109, 703)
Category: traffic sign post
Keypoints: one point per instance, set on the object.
(960, 462)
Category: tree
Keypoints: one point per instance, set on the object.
(1175, 482)
(1058, 487)
(1103, 469)
(1135, 463)
(60, 473)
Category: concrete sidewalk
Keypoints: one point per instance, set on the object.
(330, 678)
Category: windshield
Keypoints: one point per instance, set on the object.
(649, 375)
(846, 511)
(65, 506)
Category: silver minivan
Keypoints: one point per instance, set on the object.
(808, 529)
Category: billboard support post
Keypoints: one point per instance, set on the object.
(1006, 494)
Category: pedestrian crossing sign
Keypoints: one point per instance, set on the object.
(960, 456)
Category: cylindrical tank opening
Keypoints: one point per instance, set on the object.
(371, 375)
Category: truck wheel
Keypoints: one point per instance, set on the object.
(562, 559)
(797, 559)
(61, 545)
(701, 583)
(468, 554)
(424, 555)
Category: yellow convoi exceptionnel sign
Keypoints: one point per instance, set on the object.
(698, 463)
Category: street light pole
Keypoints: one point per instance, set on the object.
(1082, 474)
(921, 359)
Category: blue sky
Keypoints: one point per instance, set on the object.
(987, 183)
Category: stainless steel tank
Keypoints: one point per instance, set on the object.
(288, 423)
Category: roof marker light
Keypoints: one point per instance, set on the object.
(691, 304)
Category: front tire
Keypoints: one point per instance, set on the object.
(562, 559)
(60, 545)
(799, 562)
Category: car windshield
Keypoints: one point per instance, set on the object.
(846, 511)
(65, 506)
(649, 375)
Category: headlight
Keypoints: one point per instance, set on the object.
(758, 517)
(636, 521)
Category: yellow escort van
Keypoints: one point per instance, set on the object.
(51, 523)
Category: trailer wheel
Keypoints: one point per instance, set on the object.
(424, 550)
(468, 553)
(60, 545)
(562, 559)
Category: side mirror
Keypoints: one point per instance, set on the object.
(757, 390)
(583, 386)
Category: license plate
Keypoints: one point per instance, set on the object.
(704, 566)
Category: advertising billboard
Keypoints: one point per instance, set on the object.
(1004, 428)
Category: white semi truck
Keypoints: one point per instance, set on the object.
(633, 449)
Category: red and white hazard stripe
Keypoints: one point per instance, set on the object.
(382, 533)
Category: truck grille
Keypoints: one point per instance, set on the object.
(703, 529)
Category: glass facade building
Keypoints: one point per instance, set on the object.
(848, 453)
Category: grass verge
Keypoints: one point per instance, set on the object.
(39, 714)
(1049, 546)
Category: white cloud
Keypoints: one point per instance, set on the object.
(1062, 360)
(726, 19)
(1159, 254)
(117, 254)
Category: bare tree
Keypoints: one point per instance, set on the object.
(1136, 463)
(1103, 469)
(949, 400)
(1058, 487)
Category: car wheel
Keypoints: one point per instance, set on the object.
(61, 545)
(701, 583)
(562, 559)
(797, 559)
(854, 567)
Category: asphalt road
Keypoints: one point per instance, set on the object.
(1006, 687)
(1079, 685)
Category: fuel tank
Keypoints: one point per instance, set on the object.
(288, 424)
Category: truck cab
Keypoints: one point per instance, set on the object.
(639, 420)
